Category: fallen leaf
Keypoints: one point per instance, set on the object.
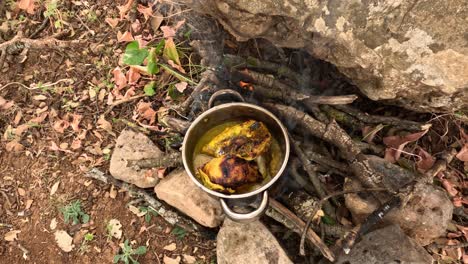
(168, 260)
(369, 133)
(124, 37)
(54, 147)
(175, 66)
(171, 247)
(4, 104)
(29, 202)
(136, 211)
(156, 21)
(12, 235)
(39, 119)
(396, 144)
(76, 144)
(449, 187)
(53, 224)
(136, 26)
(119, 78)
(76, 122)
(133, 75)
(189, 259)
(39, 97)
(170, 32)
(112, 192)
(112, 21)
(145, 11)
(426, 161)
(146, 112)
(21, 191)
(18, 117)
(105, 125)
(64, 240)
(463, 154)
(123, 10)
(54, 188)
(115, 228)
(170, 51)
(14, 146)
(181, 86)
(27, 5)
(61, 125)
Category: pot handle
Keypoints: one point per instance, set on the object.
(247, 217)
(224, 92)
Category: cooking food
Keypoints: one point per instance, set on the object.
(246, 140)
(227, 173)
(237, 156)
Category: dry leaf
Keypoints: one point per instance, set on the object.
(76, 122)
(119, 78)
(170, 32)
(39, 97)
(112, 21)
(61, 125)
(124, 37)
(189, 259)
(4, 104)
(449, 187)
(136, 26)
(53, 224)
(29, 202)
(105, 125)
(156, 21)
(136, 211)
(54, 188)
(115, 228)
(18, 117)
(133, 75)
(14, 146)
(64, 240)
(76, 144)
(369, 133)
(426, 161)
(12, 235)
(27, 5)
(397, 143)
(168, 260)
(176, 66)
(112, 192)
(181, 86)
(145, 111)
(39, 119)
(171, 247)
(463, 154)
(123, 10)
(146, 11)
(21, 191)
(54, 147)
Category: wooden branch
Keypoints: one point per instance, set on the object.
(374, 119)
(48, 42)
(172, 159)
(176, 124)
(308, 233)
(169, 215)
(123, 101)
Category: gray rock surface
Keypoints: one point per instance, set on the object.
(132, 146)
(178, 190)
(248, 243)
(412, 53)
(386, 245)
(424, 218)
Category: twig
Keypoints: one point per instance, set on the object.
(300, 179)
(374, 119)
(123, 101)
(308, 233)
(319, 205)
(324, 161)
(440, 246)
(375, 217)
(343, 118)
(169, 160)
(3, 54)
(36, 86)
(440, 165)
(169, 215)
(25, 251)
(5, 225)
(175, 124)
(49, 42)
(43, 25)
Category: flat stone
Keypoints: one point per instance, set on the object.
(178, 190)
(131, 146)
(248, 243)
(424, 218)
(386, 245)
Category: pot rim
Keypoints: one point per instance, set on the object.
(243, 195)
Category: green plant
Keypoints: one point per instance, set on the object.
(128, 253)
(179, 232)
(88, 237)
(149, 213)
(73, 212)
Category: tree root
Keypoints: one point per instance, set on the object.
(373, 119)
(168, 215)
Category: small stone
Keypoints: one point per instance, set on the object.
(424, 218)
(386, 245)
(189, 259)
(170, 247)
(178, 190)
(133, 146)
(248, 243)
(168, 260)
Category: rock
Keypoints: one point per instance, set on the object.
(424, 218)
(178, 190)
(386, 245)
(168, 260)
(248, 243)
(189, 259)
(131, 145)
(402, 52)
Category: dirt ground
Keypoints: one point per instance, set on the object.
(29, 171)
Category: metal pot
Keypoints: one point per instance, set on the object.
(223, 113)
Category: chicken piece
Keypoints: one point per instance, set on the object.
(227, 173)
(247, 140)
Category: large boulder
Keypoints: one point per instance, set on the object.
(412, 53)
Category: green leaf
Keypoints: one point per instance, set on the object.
(160, 47)
(147, 217)
(177, 74)
(170, 51)
(117, 258)
(173, 93)
(89, 237)
(149, 88)
(84, 218)
(152, 66)
(134, 55)
(140, 250)
(179, 232)
(328, 220)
